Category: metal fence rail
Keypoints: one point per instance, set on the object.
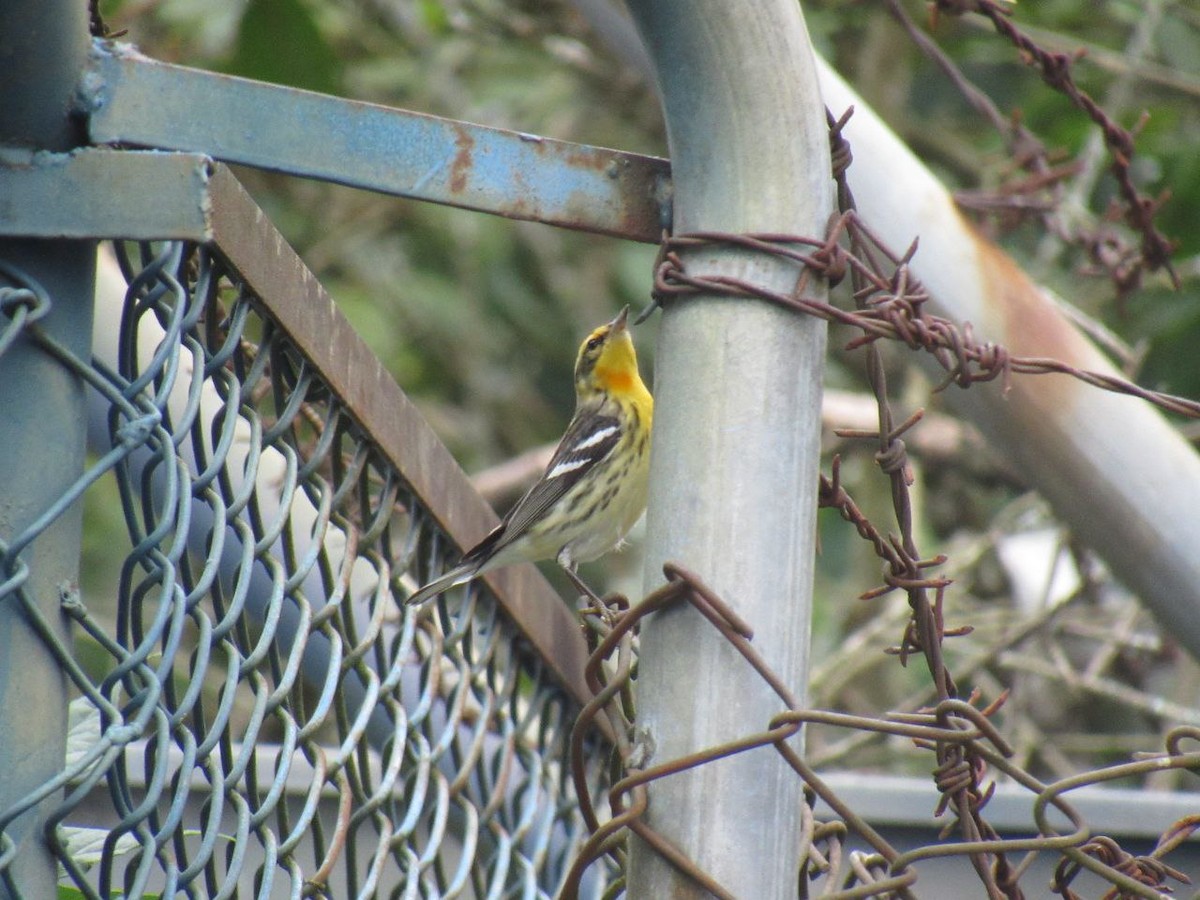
(254, 713)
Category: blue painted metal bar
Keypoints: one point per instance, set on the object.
(102, 194)
(43, 46)
(135, 100)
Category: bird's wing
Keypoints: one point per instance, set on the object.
(589, 438)
(460, 574)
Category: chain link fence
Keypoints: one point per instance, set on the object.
(253, 714)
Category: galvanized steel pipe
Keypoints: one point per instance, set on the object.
(43, 45)
(734, 470)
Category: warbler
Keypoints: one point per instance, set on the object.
(594, 488)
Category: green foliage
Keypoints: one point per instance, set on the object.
(67, 892)
(280, 41)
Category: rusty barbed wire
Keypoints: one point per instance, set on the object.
(1028, 151)
(1122, 263)
(967, 747)
(924, 630)
(892, 308)
(958, 731)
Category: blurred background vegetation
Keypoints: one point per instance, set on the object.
(479, 317)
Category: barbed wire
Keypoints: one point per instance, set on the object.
(1110, 252)
(967, 748)
(892, 308)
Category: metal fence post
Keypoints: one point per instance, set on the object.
(43, 47)
(734, 471)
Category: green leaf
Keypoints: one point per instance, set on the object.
(279, 41)
(70, 892)
(433, 16)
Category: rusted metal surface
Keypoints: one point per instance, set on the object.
(303, 309)
(134, 100)
(967, 745)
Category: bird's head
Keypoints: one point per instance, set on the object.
(607, 362)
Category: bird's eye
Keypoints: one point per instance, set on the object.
(595, 342)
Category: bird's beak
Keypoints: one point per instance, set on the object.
(618, 324)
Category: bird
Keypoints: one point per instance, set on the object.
(593, 490)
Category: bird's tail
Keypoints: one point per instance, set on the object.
(460, 574)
